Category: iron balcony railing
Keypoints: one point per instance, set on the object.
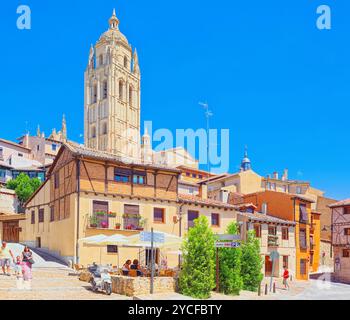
(272, 241)
(118, 222)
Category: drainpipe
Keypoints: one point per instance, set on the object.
(78, 210)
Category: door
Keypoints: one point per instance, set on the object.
(10, 231)
(268, 266)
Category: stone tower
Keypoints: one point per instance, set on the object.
(112, 95)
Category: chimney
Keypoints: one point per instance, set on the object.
(275, 175)
(203, 191)
(285, 175)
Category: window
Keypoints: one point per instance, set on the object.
(56, 180)
(94, 94)
(131, 217)
(346, 210)
(194, 175)
(20, 155)
(285, 261)
(121, 87)
(130, 95)
(303, 266)
(215, 219)
(1, 153)
(112, 249)
(298, 190)
(284, 188)
(273, 186)
(187, 174)
(137, 179)
(41, 215)
(257, 229)
(101, 60)
(191, 216)
(32, 219)
(104, 128)
(159, 215)
(122, 175)
(272, 231)
(125, 62)
(54, 147)
(302, 239)
(104, 89)
(52, 214)
(38, 148)
(264, 208)
(346, 253)
(93, 132)
(303, 213)
(200, 176)
(347, 232)
(285, 234)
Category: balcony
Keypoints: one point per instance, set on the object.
(272, 241)
(116, 222)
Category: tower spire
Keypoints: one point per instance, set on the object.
(64, 128)
(113, 21)
(38, 131)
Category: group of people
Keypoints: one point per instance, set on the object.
(23, 263)
(135, 265)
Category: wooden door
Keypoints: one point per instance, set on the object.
(10, 231)
(268, 266)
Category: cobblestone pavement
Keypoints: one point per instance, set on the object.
(52, 284)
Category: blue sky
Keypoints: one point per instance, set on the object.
(270, 76)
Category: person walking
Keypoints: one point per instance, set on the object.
(6, 256)
(286, 278)
(27, 260)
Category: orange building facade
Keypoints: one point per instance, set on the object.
(307, 232)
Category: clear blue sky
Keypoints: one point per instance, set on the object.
(277, 82)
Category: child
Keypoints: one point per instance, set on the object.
(19, 272)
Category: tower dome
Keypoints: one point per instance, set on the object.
(246, 164)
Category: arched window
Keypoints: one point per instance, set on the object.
(130, 95)
(100, 60)
(104, 128)
(121, 87)
(94, 94)
(105, 86)
(125, 62)
(93, 132)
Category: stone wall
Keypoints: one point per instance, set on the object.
(141, 285)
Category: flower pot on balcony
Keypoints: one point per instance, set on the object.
(104, 225)
(93, 225)
(117, 226)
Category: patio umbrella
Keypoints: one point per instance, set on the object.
(170, 240)
(115, 240)
(93, 238)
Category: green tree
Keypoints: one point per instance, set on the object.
(23, 186)
(251, 263)
(198, 268)
(230, 266)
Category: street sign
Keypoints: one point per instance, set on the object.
(229, 237)
(227, 244)
(147, 236)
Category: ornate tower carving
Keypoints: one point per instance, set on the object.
(112, 95)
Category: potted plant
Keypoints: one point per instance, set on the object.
(93, 222)
(112, 214)
(100, 213)
(125, 216)
(117, 226)
(142, 224)
(104, 224)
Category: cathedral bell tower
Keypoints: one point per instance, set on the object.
(112, 95)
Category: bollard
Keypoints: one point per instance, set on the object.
(274, 287)
(266, 289)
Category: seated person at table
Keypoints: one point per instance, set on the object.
(126, 267)
(135, 266)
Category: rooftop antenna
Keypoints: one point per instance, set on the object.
(208, 113)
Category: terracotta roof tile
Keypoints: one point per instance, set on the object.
(197, 200)
(345, 202)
